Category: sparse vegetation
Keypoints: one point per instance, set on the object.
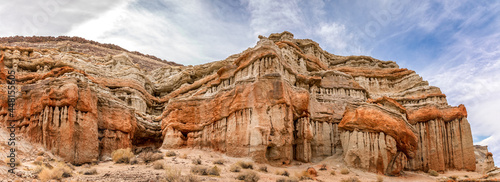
(91, 171)
(190, 178)
(170, 154)
(158, 165)
(287, 180)
(219, 161)
(332, 172)
(433, 173)
(454, 178)
(235, 168)
(122, 155)
(215, 171)
(149, 156)
(245, 165)
(196, 161)
(263, 169)
(199, 170)
(134, 161)
(283, 173)
(58, 172)
(248, 176)
(344, 171)
(351, 179)
(323, 167)
(172, 174)
(48, 174)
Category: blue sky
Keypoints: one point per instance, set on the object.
(455, 45)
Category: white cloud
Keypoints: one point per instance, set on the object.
(186, 32)
(274, 16)
(335, 36)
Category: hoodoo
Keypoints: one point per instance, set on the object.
(284, 99)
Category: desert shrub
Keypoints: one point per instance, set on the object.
(380, 178)
(58, 172)
(287, 180)
(172, 174)
(48, 174)
(219, 161)
(323, 167)
(158, 165)
(196, 161)
(344, 171)
(122, 155)
(245, 165)
(67, 171)
(199, 170)
(170, 154)
(134, 161)
(91, 171)
(190, 178)
(235, 168)
(149, 156)
(263, 169)
(351, 179)
(332, 172)
(454, 178)
(215, 171)
(433, 173)
(248, 176)
(283, 173)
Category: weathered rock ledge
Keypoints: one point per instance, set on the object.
(284, 99)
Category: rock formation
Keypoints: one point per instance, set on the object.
(284, 99)
(484, 159)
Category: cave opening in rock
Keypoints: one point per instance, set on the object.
(184, 135)
(272, 153)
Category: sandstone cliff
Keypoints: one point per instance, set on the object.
(284, 99)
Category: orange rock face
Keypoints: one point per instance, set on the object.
(284, 99)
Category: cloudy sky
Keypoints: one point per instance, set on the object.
(455, 45)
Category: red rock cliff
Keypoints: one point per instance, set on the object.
(284, 99)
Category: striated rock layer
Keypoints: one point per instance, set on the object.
(284, 99)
